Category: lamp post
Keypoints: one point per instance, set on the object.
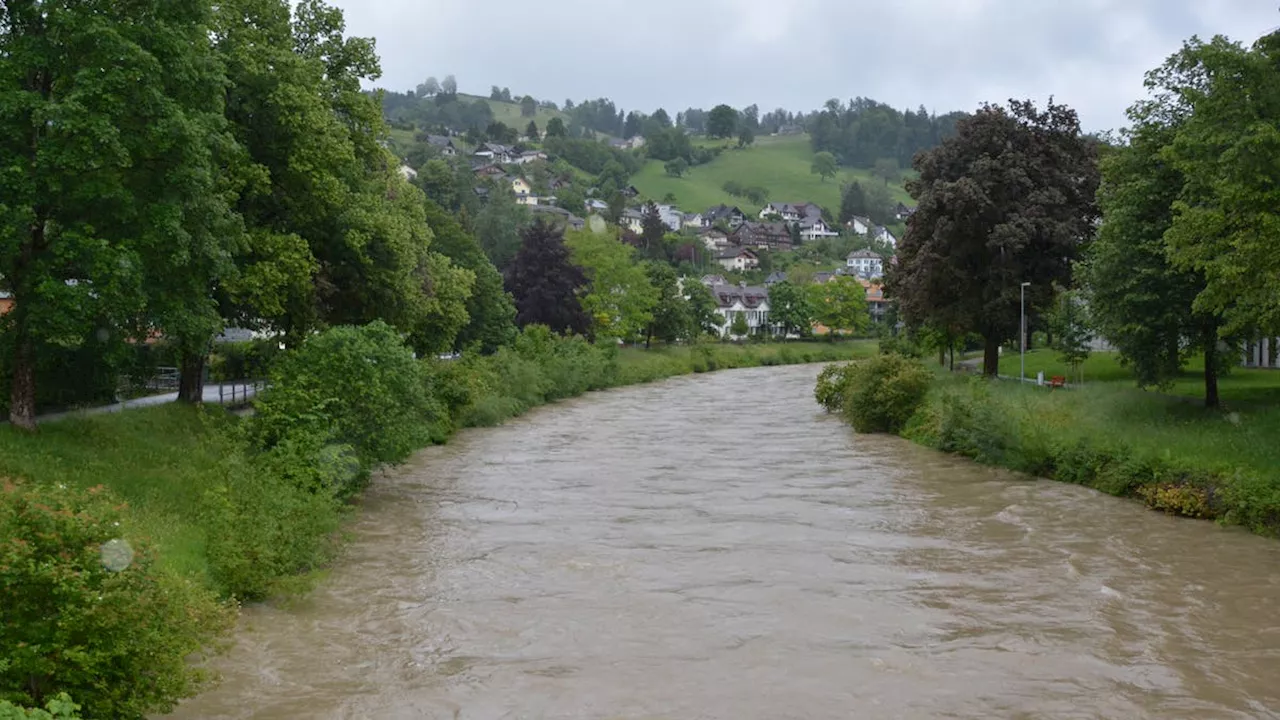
(1022, 329)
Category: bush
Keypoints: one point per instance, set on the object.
(58, 708)
(830, 389)
(356, 386)
(88, 613)
(882, 393)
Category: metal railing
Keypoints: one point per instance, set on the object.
(238, 392)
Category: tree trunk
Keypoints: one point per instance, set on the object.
(1211, 399)
(952, 366)
(191, 379)
(648, 336)
(991, 357)
(942, 356)
(22, 395)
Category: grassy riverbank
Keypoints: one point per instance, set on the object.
(162, 460)
(1164, 450)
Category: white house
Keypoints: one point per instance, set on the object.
(736, 258)
(671, 217)
(883, 235)
(597, 205)
(443, 144)
(525, 158)
(792, 212)
(714, 238)
(750, 302)
(494, 152)
(865, 264)
(632, 220)
(813, 229)
(860, 225)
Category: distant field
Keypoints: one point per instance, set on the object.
(509, 113)
(780, 164)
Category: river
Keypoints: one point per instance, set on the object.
(717, 547)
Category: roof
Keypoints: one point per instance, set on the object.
(439, 141)
(561, 213)
(749, 296)
(719, 211)
(633, 213)
(734, 252)
(766, 228)
(864, 254)
(775, 277)
(713, 280)
(807, 210)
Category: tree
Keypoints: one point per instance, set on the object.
(677, 167)
(495, 93)
(528, 106)
(1139, 300)
(429, 88)
(555, 128)
(490, 310)
(506, 95)
(1009, 199)
(619, 298)
(531, 131)
(887, 170)
(654, 232)
(746, 136)
(450, 86)
(1228, 151)
(571, 199)
(790, 309)
(101, 168)
(631, 127)
(751, 117)
(824, 164)
(671, 317)
(500, 132)
(661, 117)
(738, 327)
(499, 226)
(853, 202)
(722, 122)
(545, 284)
(436, 179)
(703, 316)
(1069, 324)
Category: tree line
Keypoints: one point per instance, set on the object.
(1160, 239)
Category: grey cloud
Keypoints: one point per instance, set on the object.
(943, 54)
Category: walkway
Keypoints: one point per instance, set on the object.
(228, 394)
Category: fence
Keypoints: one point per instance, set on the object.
(239, 392)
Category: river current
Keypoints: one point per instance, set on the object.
(717, 547)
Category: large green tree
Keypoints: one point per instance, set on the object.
(1227, 146)
(672, 320)
(499, 224)
(702, 308)
(841, 305)
(791, 309)
(109, 119)
(1010, 199)
(490, 310)
(619, 298)
(825, 165)
(722, 121)
(545, 283)
(1139, 299)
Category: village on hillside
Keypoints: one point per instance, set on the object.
(740, 249)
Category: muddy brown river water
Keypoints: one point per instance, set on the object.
(717, 547)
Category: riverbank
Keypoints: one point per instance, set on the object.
(1165, 451)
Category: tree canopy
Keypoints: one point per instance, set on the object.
(545, 283)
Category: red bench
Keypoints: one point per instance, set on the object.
(1057, 381)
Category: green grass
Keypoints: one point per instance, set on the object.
(509, 113)
(159, 460)
(1240, 386)
(780, 164)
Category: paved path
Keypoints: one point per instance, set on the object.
(214, 394)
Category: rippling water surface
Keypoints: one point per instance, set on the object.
(716, 547)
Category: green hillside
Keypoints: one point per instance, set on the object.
(509, 113)
(780, 164)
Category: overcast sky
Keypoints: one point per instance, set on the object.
(943, 54)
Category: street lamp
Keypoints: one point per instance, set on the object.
(1022, 348)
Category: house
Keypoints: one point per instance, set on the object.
(489, 170)
(773, 236)
(876, 304)
(824, 277)
(738, 258)
(791, 129)
(903, 212)
(859, 225)
(443, 144)
(882, 234)
(501, 154)
(559, 216)
(627, 144)
(1261, 353)
(530, 200)
(481, 192)
(865, 264)
(520, 186)
(692, 221)
(671, 217)
(791, 212)
(529, 156)
(630, 191)
(750, 302)
(731, 215)
(597, 205)
(632, 220)
(775, 277)
(815, 228)
(713, 280)
(408, 173)
(714, 238)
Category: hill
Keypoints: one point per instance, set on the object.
(509, 113)
(780, 164)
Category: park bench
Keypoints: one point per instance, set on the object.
(1057, 381)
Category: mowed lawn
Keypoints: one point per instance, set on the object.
(1248, 386)
(779, 164)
